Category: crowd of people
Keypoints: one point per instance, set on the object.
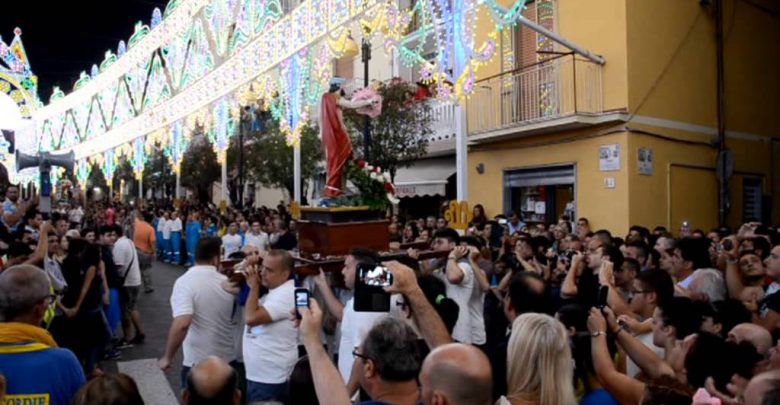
(505, 313)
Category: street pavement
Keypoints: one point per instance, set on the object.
(140, 361)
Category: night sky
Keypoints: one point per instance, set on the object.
(63, 37)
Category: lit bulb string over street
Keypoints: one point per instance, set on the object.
(198, 76)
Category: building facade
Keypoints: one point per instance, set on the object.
(632, 140)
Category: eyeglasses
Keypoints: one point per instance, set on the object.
(635, 292)
(357, 355)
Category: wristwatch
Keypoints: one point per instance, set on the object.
(597, 334)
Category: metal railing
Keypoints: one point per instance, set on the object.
(557, 88)
(442, 121)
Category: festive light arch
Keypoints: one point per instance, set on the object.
(199, 60)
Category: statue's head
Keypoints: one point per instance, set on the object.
(336, 84)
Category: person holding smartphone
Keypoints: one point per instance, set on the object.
(271, 341)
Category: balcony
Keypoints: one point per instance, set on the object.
(559, 94)
(442, 140)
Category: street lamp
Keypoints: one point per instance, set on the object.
(366, 57)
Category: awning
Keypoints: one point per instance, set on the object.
(424, 177)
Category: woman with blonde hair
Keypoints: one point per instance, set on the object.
(539, 363)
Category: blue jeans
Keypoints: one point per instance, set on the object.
(257, 391)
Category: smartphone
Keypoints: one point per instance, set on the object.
(302, 297)
(602, 300)
(378, 276)
(370, 295)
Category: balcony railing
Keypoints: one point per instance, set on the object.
(562, 87)
(442, 121)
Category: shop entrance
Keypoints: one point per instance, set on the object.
(542, 194)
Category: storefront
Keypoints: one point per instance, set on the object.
(541, 194)
(424, 186)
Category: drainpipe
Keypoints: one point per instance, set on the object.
(723, 200)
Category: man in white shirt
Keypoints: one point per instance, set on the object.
(129, 270)
(271, 340)
(458, 277)
(256, 237)
(75, 215)
(167, 225)
(231, 242)
(202, 312)
(176, 229)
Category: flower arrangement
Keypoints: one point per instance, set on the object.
(376, 187)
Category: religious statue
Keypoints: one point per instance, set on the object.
(335, 139)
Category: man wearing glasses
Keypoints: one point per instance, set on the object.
(35, 368)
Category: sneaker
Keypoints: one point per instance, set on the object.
(138, 339)
(124, 344)
(113, 354)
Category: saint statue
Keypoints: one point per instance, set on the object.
(335, 139)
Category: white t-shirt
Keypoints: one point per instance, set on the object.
(176, 225)
(125, 255)
(161, 225)
(199, 293)
(354, 328)
(461, 294)
(167, 228)
(76, 215)
(259, 241)
(271, 350)
(231, 244)
(477, 315)
(647, 339)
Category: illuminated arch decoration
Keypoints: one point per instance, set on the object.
(194, 63)
(16, 77)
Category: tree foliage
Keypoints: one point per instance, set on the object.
(400, 134)
(269, 160)
(199, 167)
(158, 173)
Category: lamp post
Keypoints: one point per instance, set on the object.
(366, 57)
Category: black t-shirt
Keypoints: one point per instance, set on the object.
(771, 301)
(75, 274)
(112, 276)
(287, 241)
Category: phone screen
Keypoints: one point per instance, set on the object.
(379, 276)
(301, 298)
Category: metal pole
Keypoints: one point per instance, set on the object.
(178, 183)
(366, 56)
(224, 176)
(461, 153)
(140, 187)
(297, 172)
(241, 164)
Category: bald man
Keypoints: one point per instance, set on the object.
(761, 385)
(756, 335)
(212, 382)
(456, 374)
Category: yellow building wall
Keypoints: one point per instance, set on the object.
(683, 186)
(605, 208)
(672, 64)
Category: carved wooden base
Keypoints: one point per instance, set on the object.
(335, 231)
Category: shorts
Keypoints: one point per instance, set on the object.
(129, 300)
